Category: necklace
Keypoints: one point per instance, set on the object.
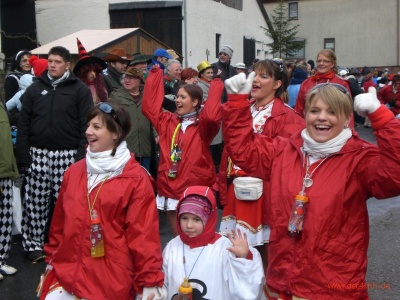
(307, 180)
(184, 260)
(95, 197)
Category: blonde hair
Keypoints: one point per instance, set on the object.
(337, 99)
(332, 56)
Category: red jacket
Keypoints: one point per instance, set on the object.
(196, 166)
(308, 84)
(386, 95)
(129, 219)
(330, 260)
(284, 121)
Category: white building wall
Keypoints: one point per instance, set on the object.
(205, 18)
(366, 32)
(58, 18)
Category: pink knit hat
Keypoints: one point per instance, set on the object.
(196, 205)
(39, 65)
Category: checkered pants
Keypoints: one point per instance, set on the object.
(6, 218)
(41, 191)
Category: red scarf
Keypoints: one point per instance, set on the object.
(326, 76)
(208, 236)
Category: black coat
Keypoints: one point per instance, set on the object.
(53, 118)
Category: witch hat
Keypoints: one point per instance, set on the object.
(85, 59)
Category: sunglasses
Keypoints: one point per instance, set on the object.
(109, 110)
(335, 85)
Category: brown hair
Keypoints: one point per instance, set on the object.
(276, 69)
(195, 93)
(332, 56)
(117, 122)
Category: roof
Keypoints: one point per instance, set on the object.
(91, 39)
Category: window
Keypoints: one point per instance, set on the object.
(217, 44)
(329, 44)
(293, 10)
(301, 52)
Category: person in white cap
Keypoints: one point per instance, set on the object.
(241, 68)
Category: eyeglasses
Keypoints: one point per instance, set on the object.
(279, 62)
(335, 85)
(109, 110)
(323, 61)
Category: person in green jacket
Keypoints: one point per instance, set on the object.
(140, 139)
(8, 173)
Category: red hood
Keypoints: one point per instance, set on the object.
(208, 236)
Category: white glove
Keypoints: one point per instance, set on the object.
(367, 103)
(238, 84)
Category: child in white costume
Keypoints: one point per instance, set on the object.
(217, 267)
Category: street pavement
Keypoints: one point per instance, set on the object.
(383, 255)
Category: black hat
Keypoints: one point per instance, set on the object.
(365, 71)
(138, 58)
(85, 59)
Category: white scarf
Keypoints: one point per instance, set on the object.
(321, 150)
(103, 165)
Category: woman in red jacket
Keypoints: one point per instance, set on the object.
(271, 117)
(326, 72)
(185, 138)
(328, 167)
(110, 190)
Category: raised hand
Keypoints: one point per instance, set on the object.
(238, 84)
(367, 103)
(239, 247)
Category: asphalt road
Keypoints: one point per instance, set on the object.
(383, 265)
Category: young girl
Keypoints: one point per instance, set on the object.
(217, 267)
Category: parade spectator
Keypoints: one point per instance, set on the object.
(130, 96)
(161, 57)
(117, 62)
(20, 66)
(236, 268)
(108, 187)
(89, 69)
(8, 173)
(390, 95)
(51, 136)
(223, 67)
(189, 76)
(172, 83)
(299, 74)
(241, 68)
(205, 77)
(328, 166)
(15, 102)
(366, 83)
(139, 61)
(184, 139)
(326, 72)
(39, 65)
(271, 118)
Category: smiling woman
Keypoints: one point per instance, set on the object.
(334, 171)
(185, 137)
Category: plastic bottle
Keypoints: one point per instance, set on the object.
(296, 221)
(185, 290)
(96, 236)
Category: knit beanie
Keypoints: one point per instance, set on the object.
(196, 205)
(226, 49)
(39, 65)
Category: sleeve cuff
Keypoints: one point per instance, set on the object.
(249, 256)
(380, 117)
(238, 100)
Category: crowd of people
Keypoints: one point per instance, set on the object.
(102, 146)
